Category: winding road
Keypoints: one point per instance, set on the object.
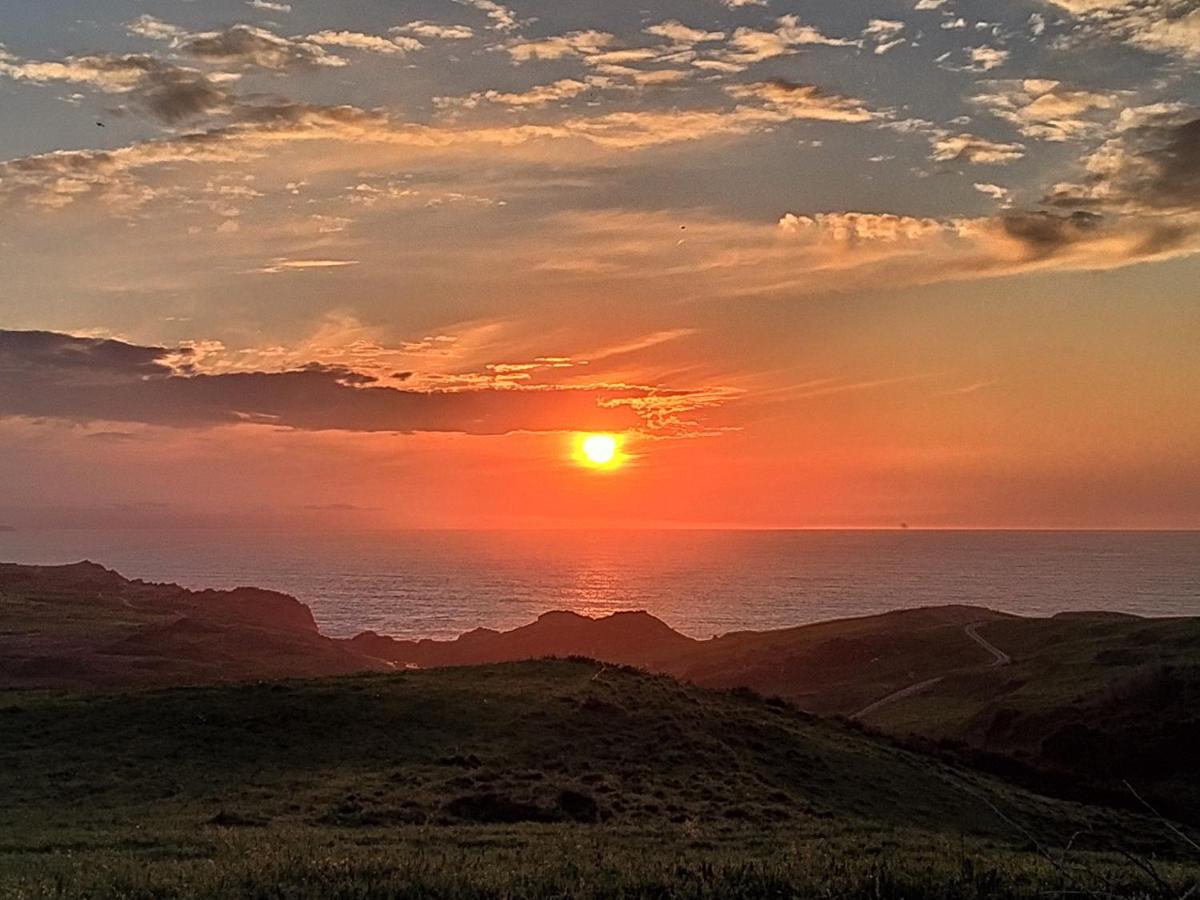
(999, 658)
(909, 691)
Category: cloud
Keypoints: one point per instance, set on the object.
(277, 266)
(248, 46)
(79, 379)
(807, 253)
(100, 360)
(502, 18)
(576, 43)
(148, 26)
(972, 388)
(977, 59)
(1170, 27)
(538, 95)
(1044, 234)
(61, 178)
(403, 192)
(1046, 109)
(645, 342)
(1170, 33)
(682, 35)
(748, 45)
(974, 149)
(436, 31)
(1001, 195)
(904, 249)
(639, 78)
(984, 59)
(883, 28)
(804, 101)
(268, 5)
(856, 227)
(796, 33)
(169, 93)
(371, 43)
(885, 34)
(1150, 168)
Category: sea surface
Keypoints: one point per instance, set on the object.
(439, 584)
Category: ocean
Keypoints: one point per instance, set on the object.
(439, 584)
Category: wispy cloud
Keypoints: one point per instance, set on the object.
(277, 266)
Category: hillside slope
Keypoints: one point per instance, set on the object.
(420, 746)
(146, 787)
(1102, 697)
(1078, 703)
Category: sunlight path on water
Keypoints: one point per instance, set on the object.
(440, 584)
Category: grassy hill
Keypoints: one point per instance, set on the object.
(1076, 704)
(173, 789)
(1055, 663)
(1103, 698)
(526, 779)
(84, 625)
(842, 666)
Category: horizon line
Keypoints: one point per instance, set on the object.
(593, 528)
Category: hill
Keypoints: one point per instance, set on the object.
(1073, 704)
(1078, 704)
(624, 638)
(84, 625)
(1102, 698)
(528, 779)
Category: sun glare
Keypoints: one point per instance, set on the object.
(600, 451)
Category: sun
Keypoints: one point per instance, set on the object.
(599, 451)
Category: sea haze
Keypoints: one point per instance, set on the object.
(439, 584)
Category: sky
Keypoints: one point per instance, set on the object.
(380, 263)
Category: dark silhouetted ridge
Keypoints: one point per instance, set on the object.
(626, 638)
(82, 625)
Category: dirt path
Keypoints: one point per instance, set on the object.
(909, 691)
(999, 658)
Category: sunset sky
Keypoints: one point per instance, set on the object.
(818, 264)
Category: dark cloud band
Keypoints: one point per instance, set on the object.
(60, 376)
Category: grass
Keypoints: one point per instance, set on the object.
(841, 666)
(404, 747)
(571, 861)
(1091, 701)
(541, 779)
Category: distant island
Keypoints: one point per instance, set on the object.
(228, 711)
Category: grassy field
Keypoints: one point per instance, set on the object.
(571, 861)
(538, 779)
